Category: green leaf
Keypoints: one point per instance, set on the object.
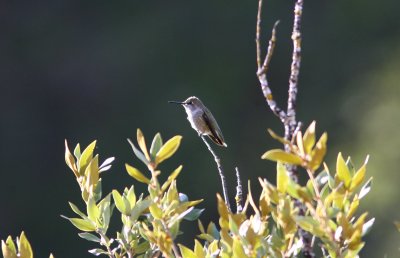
(86, 157)
(24, 247)
(76, 210)
(135, 173)
(155, 146)
(282, 177)
(106, 210)
(81, 224)
(139, 208)
(89, 237)
(119, 202)
(343, 171)
(137, 153)
(282, 156)
(92, 210)
(193, 215)
(97, 191)
(155, 211)
(309, 138)
(131, 196)
(168, 149)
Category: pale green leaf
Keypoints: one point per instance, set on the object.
(89, 237)
(155, 145)
(282, 156)
(168, 149)
(77, 151)
(138, 154)
(135, 173)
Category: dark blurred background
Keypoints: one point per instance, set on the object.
(85, 70)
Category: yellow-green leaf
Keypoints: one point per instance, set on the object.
(86, 157)
(142, 143)
(69, 159)
(343, 171)
(8, 248)
(186, 252)
(359, 176)
(135, 173)
(92, 173)
(155, 211)
(172, 177)
(25, 249)
(309, 138)
(282, 156)
(282, 178)
(119, 202)
(168, 149)
(318, 153)
(81, 224)
(92, 210)
(198, 249)
(277, 137)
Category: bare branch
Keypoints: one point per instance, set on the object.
(295, 67)
(221, 172)
(262, 69)
(239, 193)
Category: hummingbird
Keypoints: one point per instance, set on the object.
(202, 120)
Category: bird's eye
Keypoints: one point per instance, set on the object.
(190, 102)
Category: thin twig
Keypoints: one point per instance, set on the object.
(263, 68)
(221, 173)
(239, 193)
(174, 247)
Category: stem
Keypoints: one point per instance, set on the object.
(221, 173)
(174, 247)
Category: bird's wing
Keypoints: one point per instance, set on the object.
(216, 135)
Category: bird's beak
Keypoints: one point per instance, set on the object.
(177, 102)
